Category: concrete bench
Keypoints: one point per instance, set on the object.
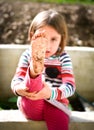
(14, 120)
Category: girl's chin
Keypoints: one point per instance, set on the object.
(48, 55)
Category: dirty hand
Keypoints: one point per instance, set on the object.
(45, 93)
(22, 90)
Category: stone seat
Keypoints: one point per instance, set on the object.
(14, 120)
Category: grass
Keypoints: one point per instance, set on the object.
(63, 1)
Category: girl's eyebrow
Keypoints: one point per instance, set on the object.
(55, 37)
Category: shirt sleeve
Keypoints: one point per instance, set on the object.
(22, 75)
(67, 88)
(21, 70)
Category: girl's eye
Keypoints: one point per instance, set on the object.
(53, 39)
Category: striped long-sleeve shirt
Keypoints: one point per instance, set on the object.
(58, 73)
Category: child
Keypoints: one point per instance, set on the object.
(44, 77)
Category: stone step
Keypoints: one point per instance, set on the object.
(14, 120)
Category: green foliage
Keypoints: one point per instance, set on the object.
(63, 1)
(70, 107)
(9, 104)
(13, 99)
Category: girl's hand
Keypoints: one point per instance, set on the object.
(22, 90)
(45, 93)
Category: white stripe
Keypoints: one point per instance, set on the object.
(60, 106)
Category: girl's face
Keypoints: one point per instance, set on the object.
(53, 38)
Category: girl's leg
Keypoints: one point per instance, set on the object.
(55, 118)
(31, 109)
(34, 109)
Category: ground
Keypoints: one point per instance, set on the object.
(15, 18)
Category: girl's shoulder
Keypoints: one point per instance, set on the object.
(64, 56)
(27, 51)
(24, 58)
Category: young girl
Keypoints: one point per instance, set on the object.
(44, 77)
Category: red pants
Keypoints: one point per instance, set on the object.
(42, 110)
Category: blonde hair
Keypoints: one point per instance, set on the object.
(54, 19)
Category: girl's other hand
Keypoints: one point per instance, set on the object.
(22, 90)
(45, 93)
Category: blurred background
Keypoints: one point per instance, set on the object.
(16, 16)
